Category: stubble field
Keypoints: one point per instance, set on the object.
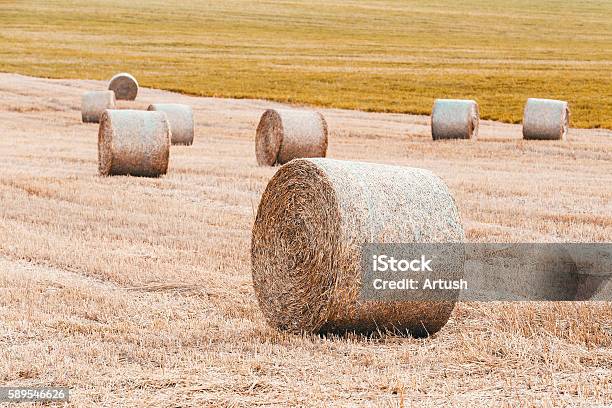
(137, 292)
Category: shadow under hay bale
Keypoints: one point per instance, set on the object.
(312, 221)
(93, 105)
(133, 143)
(124, 85)
(545, 119)
(181, 122)
(454, 119)
(286, 134)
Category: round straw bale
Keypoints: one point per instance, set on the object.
(133, 142)
(180, 118)
(283, 135)
(93, 105)
(454, 119)
(312, 221)
(124, 85)
(545, 119)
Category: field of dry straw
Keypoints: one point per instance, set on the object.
(138, 292)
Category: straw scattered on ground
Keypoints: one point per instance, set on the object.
(137, 291)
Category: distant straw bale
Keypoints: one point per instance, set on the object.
(181, 121)
(133, 143)
(284, 134)
(124, 85)
(454, 119)
(93, 105)
(545, 119)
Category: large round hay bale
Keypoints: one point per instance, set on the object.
(124, 85)
(312, 221)
(93, 105)
(454, 119)
(545, 119)
(133, 143)
(284, 134)
(180, 118)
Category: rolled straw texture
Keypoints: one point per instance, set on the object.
(133, 143)
(124, 85)
(283, 135)
(180, 118)
(545, 119)
(93, 105)
(454, 119)
(312, 221)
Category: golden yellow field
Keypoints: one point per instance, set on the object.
(137, 292)
(375, 55)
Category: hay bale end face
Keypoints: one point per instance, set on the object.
(124, 85)
(93, 105)
(312, 221)
(286, 134)
(545, 119)
(181, 122)
(133, 143)
(454, 119)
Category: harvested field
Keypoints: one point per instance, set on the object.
(137, 291)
